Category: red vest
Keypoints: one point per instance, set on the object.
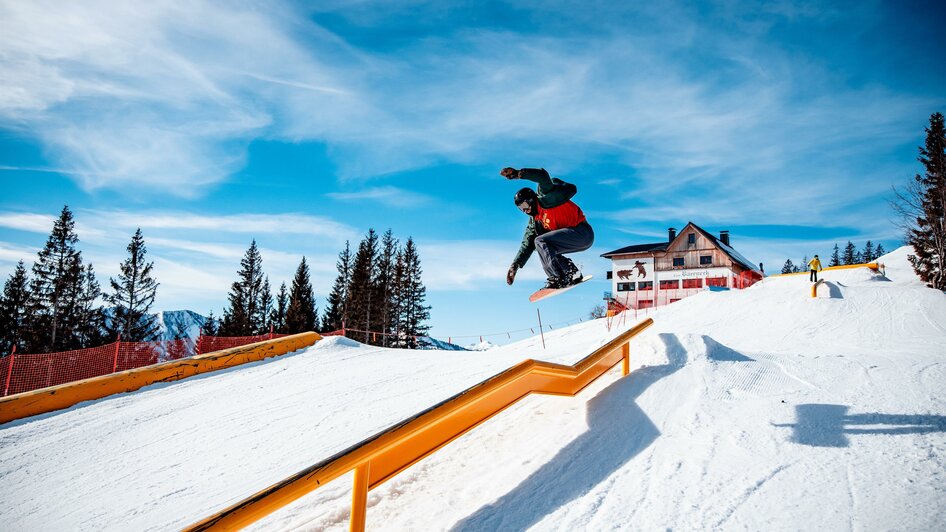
(565, 215)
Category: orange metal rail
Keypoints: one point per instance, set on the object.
(389, 452)
(65, 395)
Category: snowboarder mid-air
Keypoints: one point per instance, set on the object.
(556, 226)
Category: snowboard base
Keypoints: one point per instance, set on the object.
(543, 293)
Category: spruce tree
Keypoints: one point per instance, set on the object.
(87, 319)
(300, 316)
(835, 257)
(133, 294)
(880, 251)
(336, 309)
(242, 317)
(278, 316)
(56, 270)
(265, 309)
(210, 326)
(927, 233)
(868, 254)
(361, 287)
(413, 295)
(14, 311)
(385, 285)
(789, 267)
(850, 255)
(803, 265)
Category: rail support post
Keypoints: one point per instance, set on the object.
(359, 498)
(626, 359)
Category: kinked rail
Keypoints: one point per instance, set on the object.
(389, 452)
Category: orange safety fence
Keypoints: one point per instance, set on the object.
(209, 344)
(380, 457)
(24, 372)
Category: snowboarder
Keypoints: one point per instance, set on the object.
(814, 266)
(556, 226)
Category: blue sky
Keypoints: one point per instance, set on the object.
(301, 125)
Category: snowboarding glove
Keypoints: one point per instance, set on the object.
(509, 173)
(511, 274)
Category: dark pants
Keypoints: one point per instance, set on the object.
(553, 244)
(813, 276)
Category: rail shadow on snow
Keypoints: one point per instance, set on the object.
(617, 431)
(822, 425)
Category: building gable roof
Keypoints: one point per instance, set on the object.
(662, 246)
(639, 248)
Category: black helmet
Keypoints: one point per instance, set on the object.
(525, 199)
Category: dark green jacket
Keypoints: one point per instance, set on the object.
(551, 192)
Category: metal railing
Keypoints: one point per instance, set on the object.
(396, 448)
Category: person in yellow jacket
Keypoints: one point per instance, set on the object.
(814, 266)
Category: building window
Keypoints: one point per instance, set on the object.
(645, 303)
(716, 281)
(610, 274)
(706, 259)
(693, 283)
(645, 285)
(678, 262)
(691, 238)
(625, 287)
(669, 285)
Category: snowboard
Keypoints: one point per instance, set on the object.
(549, 292)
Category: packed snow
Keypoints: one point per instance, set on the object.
(759, 409)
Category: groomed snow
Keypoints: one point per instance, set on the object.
(758, 409)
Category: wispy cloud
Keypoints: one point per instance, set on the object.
(392, 196)
(152, 95)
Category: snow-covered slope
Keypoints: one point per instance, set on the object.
(758, 409)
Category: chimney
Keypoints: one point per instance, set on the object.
(724, 237)
(672, 234)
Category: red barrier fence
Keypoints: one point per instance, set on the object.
(23, 372)
(209, 344)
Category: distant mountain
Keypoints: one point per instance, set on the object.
(175, 324)
(426, 342)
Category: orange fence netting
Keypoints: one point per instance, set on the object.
(23, 372)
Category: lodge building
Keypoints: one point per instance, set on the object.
(648, 275)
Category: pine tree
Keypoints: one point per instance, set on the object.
(242, 318)
(414, 313)
(87, 322)
(868, 254)
(385, 284)
(133, 294)
(927, 233)
(14, 311)
(850, 255)
(361, 287)
(211, 326)
(300, 316)
(56, 269)
(880, 251)
(278, 316)
(789, 267)
(803, 265)
(336, 310)
(835, 257)
(265, 309)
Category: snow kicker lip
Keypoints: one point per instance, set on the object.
(45, 400)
